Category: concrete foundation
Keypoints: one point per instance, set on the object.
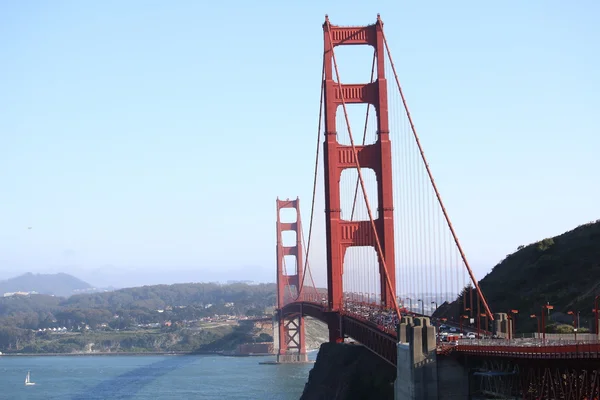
(417, 376)
(275, 333)
(502, 325)
(287, 357)
(292, 358)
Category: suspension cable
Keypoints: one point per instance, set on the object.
(435, 189)
(308, 269)
(314, 194)
(287, 283)
(362, 183)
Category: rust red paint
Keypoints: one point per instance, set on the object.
(580, 351)
(291, 327)
(343, 234)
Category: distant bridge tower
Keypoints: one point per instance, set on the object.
(290, 343)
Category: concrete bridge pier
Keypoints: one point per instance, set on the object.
(421, 374)
(417, 375)
(502, 325)
(276, 332)
(292, 358)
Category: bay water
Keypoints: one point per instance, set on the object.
(151, 377)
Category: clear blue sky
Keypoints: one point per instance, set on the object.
(156, 135)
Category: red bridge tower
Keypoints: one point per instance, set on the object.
(342, 234)
(289, 335)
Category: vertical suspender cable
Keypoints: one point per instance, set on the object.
(437, 193)
(312, 206)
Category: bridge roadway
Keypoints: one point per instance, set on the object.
(380, 339)
(375, 328)
(426, 369)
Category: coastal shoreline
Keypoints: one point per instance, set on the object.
(130, 353)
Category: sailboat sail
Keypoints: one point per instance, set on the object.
(28, 379)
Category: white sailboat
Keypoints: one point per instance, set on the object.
(28, 380)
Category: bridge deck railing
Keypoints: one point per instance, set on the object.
(523, 348)
(385, 321)
(526, 342)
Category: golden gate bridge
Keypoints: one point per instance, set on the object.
(392, 254)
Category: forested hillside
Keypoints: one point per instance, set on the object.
(160, 296)
(129, 309)
(563, 270)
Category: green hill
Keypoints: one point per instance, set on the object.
(563, 270)
(179, 317)
(53, 284)
(243, 296)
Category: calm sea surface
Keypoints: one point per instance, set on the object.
(151, 377)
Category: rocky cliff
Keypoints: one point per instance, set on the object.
(349, 372)
(317, 333)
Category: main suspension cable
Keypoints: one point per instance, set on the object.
(285, 274)
(314, 194)
(435, 189)
(308, 269)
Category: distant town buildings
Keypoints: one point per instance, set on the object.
(10, 294)
(61, 329)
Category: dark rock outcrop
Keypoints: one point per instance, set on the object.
(349, 372)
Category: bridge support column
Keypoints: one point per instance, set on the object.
(289, 340)
(334, 325)
(416, 377)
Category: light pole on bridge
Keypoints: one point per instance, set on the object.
(575, 324)
(512, 316)
(422, 307)
(544, 308)
(409, 304)
(436, 307)
(538, 323)
(460, 327)
(596, 312)
(486, 326)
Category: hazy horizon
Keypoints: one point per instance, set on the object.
(122, 277)
(130, 277)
